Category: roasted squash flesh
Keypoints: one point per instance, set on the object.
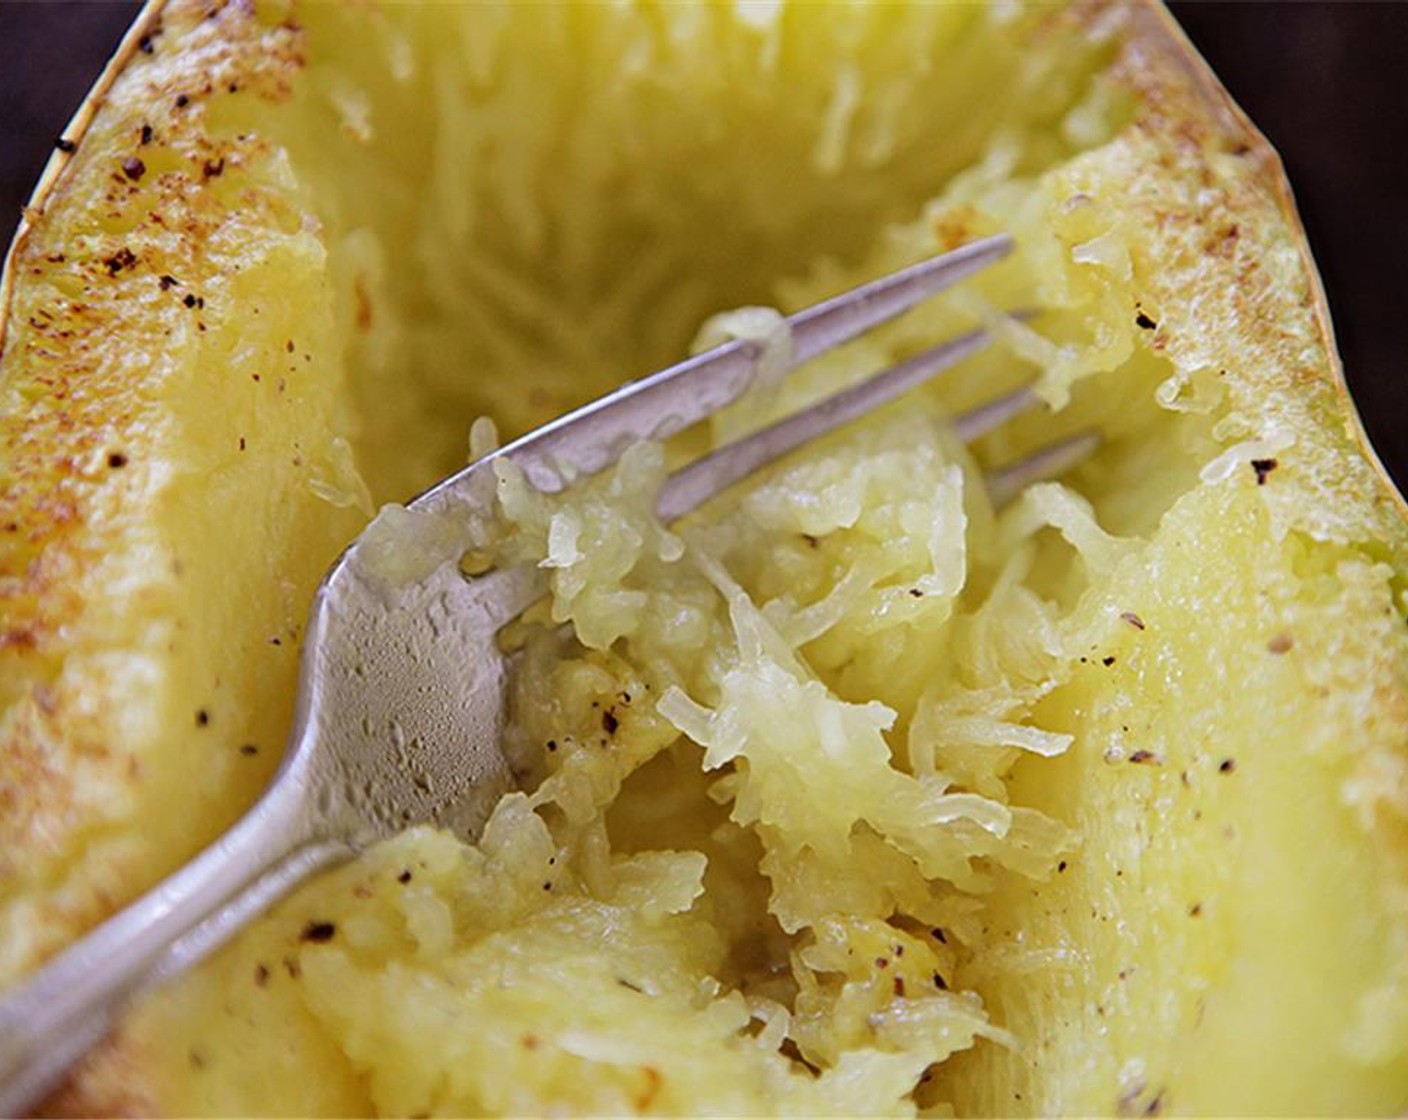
(853, 793)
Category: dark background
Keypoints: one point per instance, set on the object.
(1327, 82)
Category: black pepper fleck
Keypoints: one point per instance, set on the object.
(609, 722)
(1263, 467)
(1107, 661)
(202, 718)
(182, 101)
(940, 983)
(1227, 765)
(249, 749)
(146, 134)
(117, 459)
(261, 975)
(168, 282)
(123, 258)
(404, 877)
(318, 933)
(133, 168)
(1144, 323)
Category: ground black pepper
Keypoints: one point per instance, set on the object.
(123, 258)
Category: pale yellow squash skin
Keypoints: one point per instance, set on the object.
(194, 353)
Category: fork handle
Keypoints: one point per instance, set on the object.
(48, 1022)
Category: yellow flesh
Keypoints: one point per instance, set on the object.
(1198, 903)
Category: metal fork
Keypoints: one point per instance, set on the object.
(400, 705)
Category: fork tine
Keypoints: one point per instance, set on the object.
(993, 414)
(711, 474)
(1056, 458)
(658, 406)
(696, 483)
(838, 320)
